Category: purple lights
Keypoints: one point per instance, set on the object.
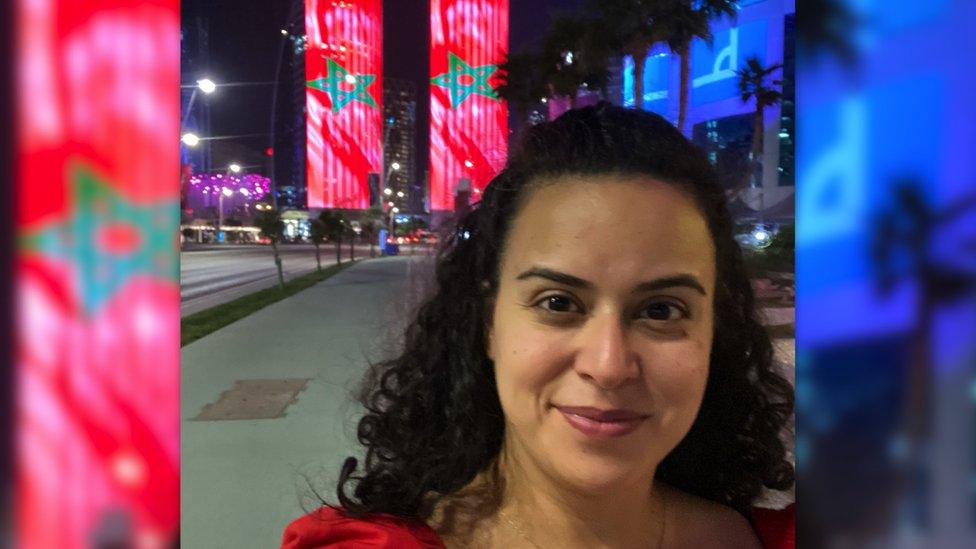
(207, 193)
(251, 185)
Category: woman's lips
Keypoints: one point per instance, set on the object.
(599, 423)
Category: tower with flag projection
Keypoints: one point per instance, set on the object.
(343, 71)
(468, 122)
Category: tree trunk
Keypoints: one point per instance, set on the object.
(352, 251)
(338, 242)
(318, 257)
(277, 258)
(685, 55)
(640, 56)
(757, 144)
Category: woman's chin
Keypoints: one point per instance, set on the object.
(596, 474)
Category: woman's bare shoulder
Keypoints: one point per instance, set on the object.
(698, 522)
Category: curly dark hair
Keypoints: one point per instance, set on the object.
(433, 418)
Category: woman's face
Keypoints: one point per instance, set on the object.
(602, 328)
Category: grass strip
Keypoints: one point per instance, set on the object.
(202, 323)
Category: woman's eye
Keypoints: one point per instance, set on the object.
(663, 311)
(558, 304)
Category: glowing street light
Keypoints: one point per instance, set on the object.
(236, 168)
(400, 194)
(395, 165)
(395, 210)
(207, 86)
(389, 204)
(190, 139)
(228, 192)
(387, 191)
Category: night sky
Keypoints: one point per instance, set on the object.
(245, 37)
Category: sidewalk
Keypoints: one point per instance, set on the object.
(241, 479)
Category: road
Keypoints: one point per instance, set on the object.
(214, 274)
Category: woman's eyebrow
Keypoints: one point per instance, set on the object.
(555, 276)
(673, 281)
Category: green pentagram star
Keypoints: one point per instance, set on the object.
(451, 80)
(95, 206)
(340, 98)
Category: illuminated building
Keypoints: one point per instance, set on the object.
(343, 73)
(717, 118)
(399, 143)
(468, 123)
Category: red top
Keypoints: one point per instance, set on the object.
(331, 528)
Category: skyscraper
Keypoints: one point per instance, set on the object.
(290, 136)
(400, 146)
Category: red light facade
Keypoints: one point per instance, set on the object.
(343, 73)
(97, 273)
(468, 123)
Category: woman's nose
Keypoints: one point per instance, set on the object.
(605, 356)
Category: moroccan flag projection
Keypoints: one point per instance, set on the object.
(468, 123)
(344, 90)
(97, 273)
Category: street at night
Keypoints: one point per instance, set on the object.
(215, 274)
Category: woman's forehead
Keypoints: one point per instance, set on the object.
(611, 224)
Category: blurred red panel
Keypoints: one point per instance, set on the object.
(97, 273)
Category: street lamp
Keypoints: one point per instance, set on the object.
(190, 139)
(224, 191)
(236, 168)
(205, 85)
(399, 194)
(394, 167)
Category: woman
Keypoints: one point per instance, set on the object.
(589, 372)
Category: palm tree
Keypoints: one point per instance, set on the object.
(347, 228)
(333, 225)
(319, 232)
(273, 228)
(681, 22)
(372, 222)
(635, 30)
(752, 85)
(575, 54)
(521, 81)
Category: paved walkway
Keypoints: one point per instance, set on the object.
(241, 479)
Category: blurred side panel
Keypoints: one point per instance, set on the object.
(97, 273)
(886, 265)
(344, 94)
(8, 191)
(468, 123)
